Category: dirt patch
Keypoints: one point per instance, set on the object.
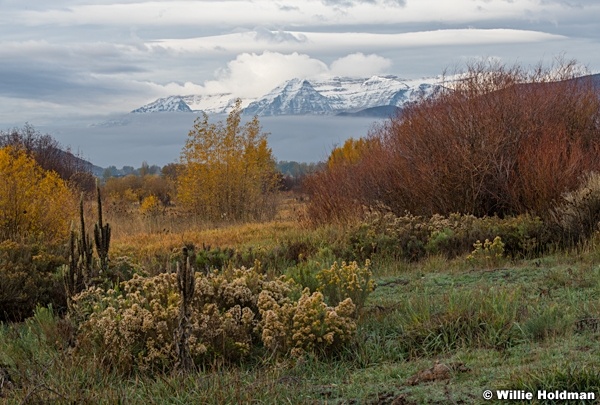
(438, 372)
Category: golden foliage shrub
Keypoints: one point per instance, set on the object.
(151, 206)
(349, 153)
(306, 326)
(232, 313)
(35, 205)
(340, 282)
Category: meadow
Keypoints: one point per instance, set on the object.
(433, 330)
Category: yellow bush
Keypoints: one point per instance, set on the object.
(308, 325)
(35, 205)
(151, 205)
(488, 253)
(346, 281)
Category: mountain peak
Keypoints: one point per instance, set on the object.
(294, 97)
(167, 104)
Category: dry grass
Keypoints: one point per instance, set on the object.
(148, 240)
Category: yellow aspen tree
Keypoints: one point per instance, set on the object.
(35, 205)
(349, 153)
(227, 170)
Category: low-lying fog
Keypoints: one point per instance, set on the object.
(158, 138)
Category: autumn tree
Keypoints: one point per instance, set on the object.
(132, 188)
(349, 153)
(227, 170)
(35, 204)
(50, 155)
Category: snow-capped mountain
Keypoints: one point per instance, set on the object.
(357, 94)
(295, 97)
(171, 104)
(309, 97)
(220, 103)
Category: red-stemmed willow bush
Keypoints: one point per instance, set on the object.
(494, 141)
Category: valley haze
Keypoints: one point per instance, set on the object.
(158, 138)
(302, 119)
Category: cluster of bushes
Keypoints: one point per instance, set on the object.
(497, 141)
(233, 314)
(410, 238)
(136, 189)
(573, 219)
(382, 234)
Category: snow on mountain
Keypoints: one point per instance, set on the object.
(295, 97)
(170, 104)
(302, 97)
(358, 94)
(221, 103)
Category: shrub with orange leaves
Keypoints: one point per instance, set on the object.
(497, 141)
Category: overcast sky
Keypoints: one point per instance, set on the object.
(71, 58)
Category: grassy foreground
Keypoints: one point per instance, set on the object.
(437, 331)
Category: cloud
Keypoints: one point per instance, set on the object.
(287, 7)
(279, 36)
(360, 65)
(352, 3)
(252, 75)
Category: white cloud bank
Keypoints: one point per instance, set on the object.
(360, 65)
(253, 75)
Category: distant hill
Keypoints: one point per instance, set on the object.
(594, 80)
(95, 170)
(384, 111)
